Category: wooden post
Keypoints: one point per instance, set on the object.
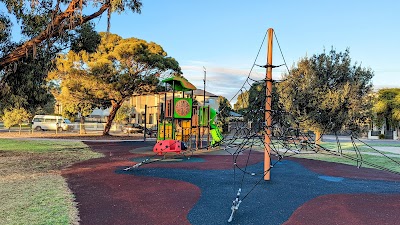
(268, 104)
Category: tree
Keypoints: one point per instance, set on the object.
(123, 113)
(252, 103)
(25, 86)
(117, 70)
(242, 101)
(15, 117)
(47, 27)
(46, 22)
(74, 92)
(325, 93)
(387, 107)
(224, 110)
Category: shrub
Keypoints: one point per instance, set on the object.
(15, 117)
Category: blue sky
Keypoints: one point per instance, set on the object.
(224, 35)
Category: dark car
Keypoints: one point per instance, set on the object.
(134, 128)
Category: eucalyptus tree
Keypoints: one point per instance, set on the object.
(387, 107)
(326, 93)
(118, 69)
(27, 87)
(44, 22)
(32, 32)
(25, 84)
(73, 94)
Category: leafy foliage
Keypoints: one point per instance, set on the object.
(86, 39)
(15, 117)
(123, 113)
(252, 103)
(73, 94)
(242, 101)
(26, 86)
(117, 70)
(46, 22)
(47, 27)
(326, 93)
(387, 107)
(224, 110)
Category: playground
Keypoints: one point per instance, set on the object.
(199, 190)
(184, 124)
(265, 170)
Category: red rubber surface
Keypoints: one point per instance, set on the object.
(105, 197)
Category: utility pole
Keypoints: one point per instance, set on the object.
(204, 81)
(204, 108)
(268, 104)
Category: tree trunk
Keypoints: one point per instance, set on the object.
(82, 129)
(318, 137)
(113, 112)
(57, 27)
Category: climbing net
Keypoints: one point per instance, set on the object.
(287, 138)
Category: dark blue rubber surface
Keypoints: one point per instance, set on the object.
(270, 202)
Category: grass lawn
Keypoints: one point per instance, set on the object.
(368, 155)
(32, 190)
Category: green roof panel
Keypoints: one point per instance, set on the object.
(180, 84)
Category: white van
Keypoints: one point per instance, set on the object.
(48, 122)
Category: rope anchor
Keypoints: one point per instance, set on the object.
(137, 165)
(235, 205)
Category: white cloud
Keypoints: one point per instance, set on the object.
(221, 80)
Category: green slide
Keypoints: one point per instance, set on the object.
(214, 129)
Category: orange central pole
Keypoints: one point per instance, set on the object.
(268, 103)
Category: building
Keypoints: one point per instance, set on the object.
(151, 104)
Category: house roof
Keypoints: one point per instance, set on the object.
(200, 92)
(234, 114)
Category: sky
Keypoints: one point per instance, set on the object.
(224, 36)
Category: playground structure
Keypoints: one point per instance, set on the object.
(279, 135)
(182, 119)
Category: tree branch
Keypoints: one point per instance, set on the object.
(53, 29)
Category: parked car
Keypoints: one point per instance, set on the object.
(134, 128)
(51, 122)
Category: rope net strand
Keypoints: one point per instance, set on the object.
(288, 134)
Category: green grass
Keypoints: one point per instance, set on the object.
(37, 146)
(385, 144)
(32, 191)
(367, 154)
(348, 146)
(348, 149)
(43, 199)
